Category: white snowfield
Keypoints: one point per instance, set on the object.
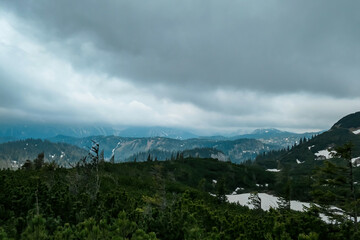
(356, 131)
(326, 153)
(269, 201)
(273, 170)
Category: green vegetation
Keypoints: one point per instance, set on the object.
(298, 163)
(148, 200)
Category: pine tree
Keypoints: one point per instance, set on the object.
(220, 190)
(345, 152)
(334, 185)
(101, 157)
(255, 200)
(28, 165)
(112, 159)
(36, 229)
(39, 161)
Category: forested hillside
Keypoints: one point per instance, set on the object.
(300, 161)
(148, 200)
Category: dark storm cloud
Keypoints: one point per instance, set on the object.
(213, 66)
(266, 46)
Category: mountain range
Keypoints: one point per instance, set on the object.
(161, 143)
(125, 149)
(10, 132)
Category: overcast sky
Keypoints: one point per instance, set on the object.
(210, 66)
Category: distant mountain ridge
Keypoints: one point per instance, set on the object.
(276, 137)
(24, 131)
(122, 148)
(162, 141)
(13, 132)
(137, 132)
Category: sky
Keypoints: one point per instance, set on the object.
(209, 66)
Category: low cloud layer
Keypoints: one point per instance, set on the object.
(207, 65)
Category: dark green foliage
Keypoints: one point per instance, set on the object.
(300, 174)
(334, 185)
(147, 200)
(39, 161)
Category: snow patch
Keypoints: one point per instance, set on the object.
(15, 165)
(356, 131)
(323, 154)
(237, 189)
(310, 147)
(356, 161)
(299, 162)
(113, 151)
(273, 170)
(269, 201)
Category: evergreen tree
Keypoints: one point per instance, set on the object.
(334, 185)
(101, 157)
(39, 161)
(28, 165)
(220, 190)
(112, 159)
(35, 229)
(255, 200)
(345, 152)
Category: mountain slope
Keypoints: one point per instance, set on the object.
(311, 150)
(137, 132)
(276, 137)
(351, 122)
(301, 160)
(14, 154)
